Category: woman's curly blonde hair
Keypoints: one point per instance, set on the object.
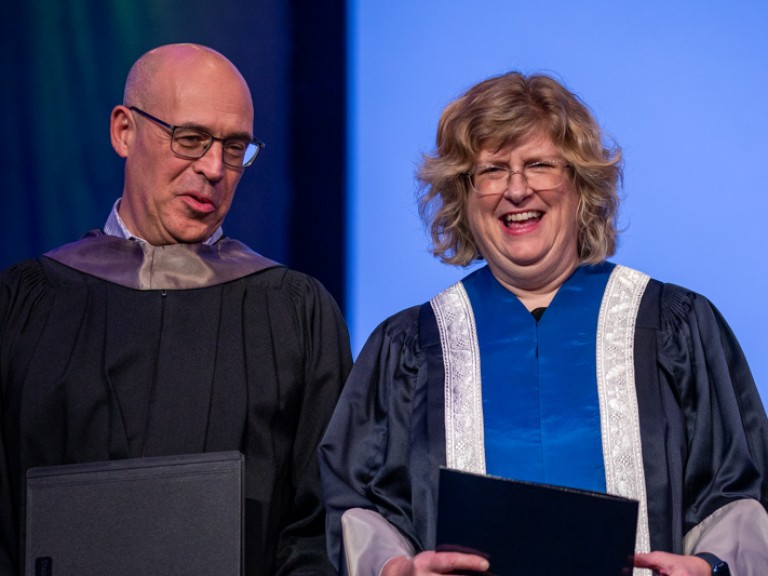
(505, 110)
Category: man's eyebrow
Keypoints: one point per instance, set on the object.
(239, 136)
(201, 128)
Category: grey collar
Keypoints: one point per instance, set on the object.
(142, 266)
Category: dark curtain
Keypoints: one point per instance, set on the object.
(64, 64)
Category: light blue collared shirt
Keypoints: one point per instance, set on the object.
(115, 226)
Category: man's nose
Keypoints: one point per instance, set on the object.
(211, 164)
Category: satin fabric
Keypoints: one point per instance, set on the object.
(142, 266)
(704, 430)
(540, 404)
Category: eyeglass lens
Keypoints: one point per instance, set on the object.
(496, 179)
(191, 143)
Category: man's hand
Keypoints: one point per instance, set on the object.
(430, 563)
(666, 564)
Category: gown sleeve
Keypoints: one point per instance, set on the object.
(21, 288)
(374, 450)
(328, 359)
(7, 535)
(725, 487)
(736, 533)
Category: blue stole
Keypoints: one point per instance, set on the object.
(540, 404)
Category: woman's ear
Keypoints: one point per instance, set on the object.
(121, 130)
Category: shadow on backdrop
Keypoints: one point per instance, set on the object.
(64, 68)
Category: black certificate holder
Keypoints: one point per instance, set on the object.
(170, 515)
(530, 529)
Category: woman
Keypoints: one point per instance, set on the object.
(593, 375)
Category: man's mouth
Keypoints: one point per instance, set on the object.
(521, 218)
(200, 203)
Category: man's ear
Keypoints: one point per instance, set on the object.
(121, 130)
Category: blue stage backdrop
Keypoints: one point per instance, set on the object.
(680, 85)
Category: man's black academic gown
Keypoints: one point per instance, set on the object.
(116, 363)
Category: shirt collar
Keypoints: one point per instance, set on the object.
(115, 226)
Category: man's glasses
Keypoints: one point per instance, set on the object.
(191, 143)
(539, 175)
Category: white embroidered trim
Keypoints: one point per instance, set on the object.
(464, 439)
(622, 447)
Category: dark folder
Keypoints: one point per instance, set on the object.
(530, 529)
(175, 515)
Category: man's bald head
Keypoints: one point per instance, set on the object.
(155, 68)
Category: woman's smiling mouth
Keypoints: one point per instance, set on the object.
(521, 217)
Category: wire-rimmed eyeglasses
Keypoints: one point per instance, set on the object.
(192, 143)
(539, 175)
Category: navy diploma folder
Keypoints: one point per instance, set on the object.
(170, 515)
(530, 529)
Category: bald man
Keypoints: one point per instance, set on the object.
(158, 335)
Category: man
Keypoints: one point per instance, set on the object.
(160, 336)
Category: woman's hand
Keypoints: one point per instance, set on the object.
(666, 564)
(431, 562)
